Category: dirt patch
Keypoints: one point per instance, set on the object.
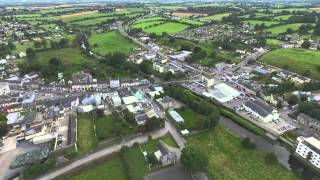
(185, 14)
(78, 14)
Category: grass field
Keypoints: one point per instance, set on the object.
(150, 19)
(228, 159)
(110, 42)
(191, 22)
(170, 27)
(216, 17)
(85, 133)
(109, 170)
(273, 42)
(70, 57)
(283, 28)
(256, 22)
(148, 24)
(137, 166)
(301, 61)
(282, 18)
(192, 120)
(108, 127)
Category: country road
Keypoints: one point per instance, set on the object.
(116, 148)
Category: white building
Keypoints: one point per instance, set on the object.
(309, 149)
(4, 88)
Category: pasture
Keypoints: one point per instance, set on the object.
(109, 42)
(170, 27)
(216, 17)
(256, 22)
(302, 61)
(283, 28)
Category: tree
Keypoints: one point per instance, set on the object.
(4, 128)
(306, 44)
(289, 31)
(194, 159)
(30, 53)
(55, 64)
(292, 100)
(212, 120)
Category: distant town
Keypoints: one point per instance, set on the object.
(175, 91)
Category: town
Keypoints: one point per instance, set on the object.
(192, 90)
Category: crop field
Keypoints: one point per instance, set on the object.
(75, 16)
(283, 28)
(256, 22)
(228, 159)
(216, 17)
(301, 61)
(186, 14)
(170, 27)
(109, 42)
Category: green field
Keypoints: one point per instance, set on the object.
(91, 22)
(110, 170)
(151, 146)
(149, 19)
(86, 139)
(282, 18)
(137, 166)
(256, 22)
(283, 28)
(110, 42)
(70, 57)
(301, 61)
(170, 27)
(110, 127)
(216, 17)
(228, 159)
(192, 120)
(273, 42)
(148, 24)
(191, 22)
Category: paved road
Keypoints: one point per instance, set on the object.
(115, 148)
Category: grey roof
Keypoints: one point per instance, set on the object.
(259, 107)
(28, 119)
(162, 147)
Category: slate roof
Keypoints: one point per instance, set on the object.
(259, 107)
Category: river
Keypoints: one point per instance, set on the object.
(262, 144)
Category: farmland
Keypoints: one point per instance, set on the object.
(256, 22)
(170, 27)
(282, 18)
(228, 159)
(216, 17)
(109, 42)
(148, 24)
(283, 28)
(301, 61)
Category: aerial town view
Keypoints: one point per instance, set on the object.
(160, 90)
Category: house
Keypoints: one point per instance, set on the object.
(166, 102)
(31, 76)
(309, 150)
(208, 79)
(261, 110)
(141, 119)
(165, 156)
(158, 67)
(298, 80)
(4, 88)
(114, 83)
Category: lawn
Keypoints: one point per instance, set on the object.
(109, 42)
(301, 61)
(150, 19)
(228, 159)
(110, 127)
(151, 146)
(136, 164)
(283, 28)
(170, 27)
(216, 17)
(112, 169)
(86, 139)
(192, 120)
(256, 22)
(191, 22)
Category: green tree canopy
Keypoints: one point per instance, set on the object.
(194, 159)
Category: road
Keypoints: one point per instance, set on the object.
(116, 148)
